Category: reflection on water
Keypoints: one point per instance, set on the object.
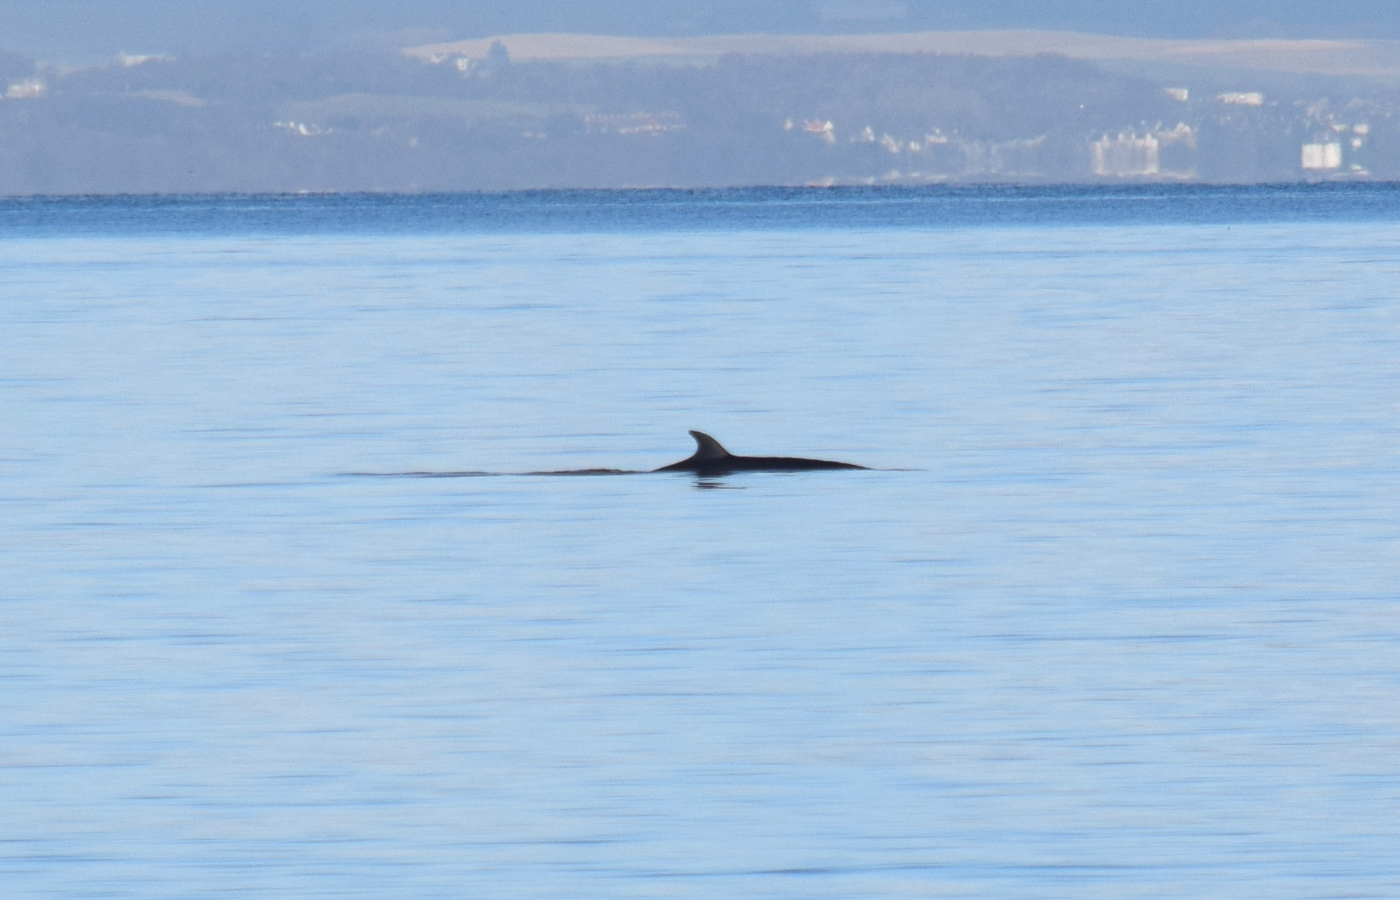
(1114, 613)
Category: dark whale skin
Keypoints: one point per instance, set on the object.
(711, 458)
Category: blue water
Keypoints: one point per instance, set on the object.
(745, 210)
(1114, 614)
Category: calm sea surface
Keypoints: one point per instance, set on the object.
(1115, 614)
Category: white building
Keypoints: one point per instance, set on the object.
(1127, 155)
(28, 89)
(1242, 98)
(1322, 157)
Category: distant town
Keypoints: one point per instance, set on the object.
(478, 117)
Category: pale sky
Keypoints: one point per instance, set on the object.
(78, 30)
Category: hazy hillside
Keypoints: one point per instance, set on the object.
(387, 122)
(1371, 57)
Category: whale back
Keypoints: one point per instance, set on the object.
(710, 458)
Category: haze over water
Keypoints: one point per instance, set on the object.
(1113, 615)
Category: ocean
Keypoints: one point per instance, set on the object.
(286, 608)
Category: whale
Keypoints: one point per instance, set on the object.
(710, 458)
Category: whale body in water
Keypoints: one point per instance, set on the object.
(711, 458)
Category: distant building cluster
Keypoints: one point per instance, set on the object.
(1335, 145)
(1132, 156)
(1332, 147)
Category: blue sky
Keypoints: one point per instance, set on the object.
(75, 29)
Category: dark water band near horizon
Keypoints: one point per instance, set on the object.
(665, 209)
(1113, 613)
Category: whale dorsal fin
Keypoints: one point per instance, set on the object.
(707, 448)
